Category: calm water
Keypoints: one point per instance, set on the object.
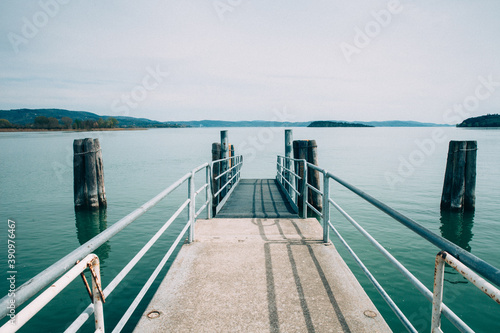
(36, 191)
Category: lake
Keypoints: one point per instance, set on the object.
(403, 167)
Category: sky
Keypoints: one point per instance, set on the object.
(429, 61)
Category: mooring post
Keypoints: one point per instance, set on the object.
(231, 162)
(313, 175)
(88, 174)
(91, 173)
(224, 144)
(470, 176)
(288, 154)
(101, 191)
(460, 176)
(78, 174)
(300, 153)
(458, 185)
(216, 155)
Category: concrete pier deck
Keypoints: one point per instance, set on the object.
(254, 198)
(260, 275)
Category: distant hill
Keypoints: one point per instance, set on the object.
(400, 123)
(489, 120)
(27, 116)
(335, 124)
(249, 123)
(262, 123)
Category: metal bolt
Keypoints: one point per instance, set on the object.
(370, 314)
(153, 314)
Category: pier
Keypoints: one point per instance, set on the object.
(260, 275)
(252, 259)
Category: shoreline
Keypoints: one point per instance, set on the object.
(72, 130)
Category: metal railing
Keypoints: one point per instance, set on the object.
(437, 302)
(226, 175)
(66, 265)
(293, 172)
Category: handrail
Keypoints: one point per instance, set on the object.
(290, 181)
(469, 260)
(46, 277)
(90, 261)
(437, 302)
(225, 179)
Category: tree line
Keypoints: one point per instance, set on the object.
(42, 122)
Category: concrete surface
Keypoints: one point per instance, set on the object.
(260, 275)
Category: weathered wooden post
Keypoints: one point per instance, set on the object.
(91, 173)
(89, 191)
(460, 176)
(224, 148)
(78, 174)
(101, 191)
(216, 153)
(313, 175)
(307, 150)
(288, 154)
(470, 176)
(300, 153)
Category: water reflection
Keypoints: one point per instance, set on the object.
(88, 225)
(457, 228)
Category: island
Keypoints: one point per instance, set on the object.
(336, 124)
(489, 120)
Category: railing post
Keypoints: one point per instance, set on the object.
(326, 206)
(96, 296)
(304, 191)
(192, 207)
(208, 192)
(437, 298)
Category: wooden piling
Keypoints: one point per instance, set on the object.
(307, 150)
(91, 173)
(79, 174)
(313, 175)
(224, 148)
(101, 191)
(300, 153)
(216, 155)
(88, 175)
(470, 176)
(460, 176)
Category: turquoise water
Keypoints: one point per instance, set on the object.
(36, 191)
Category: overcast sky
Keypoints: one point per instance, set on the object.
(430, 61)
